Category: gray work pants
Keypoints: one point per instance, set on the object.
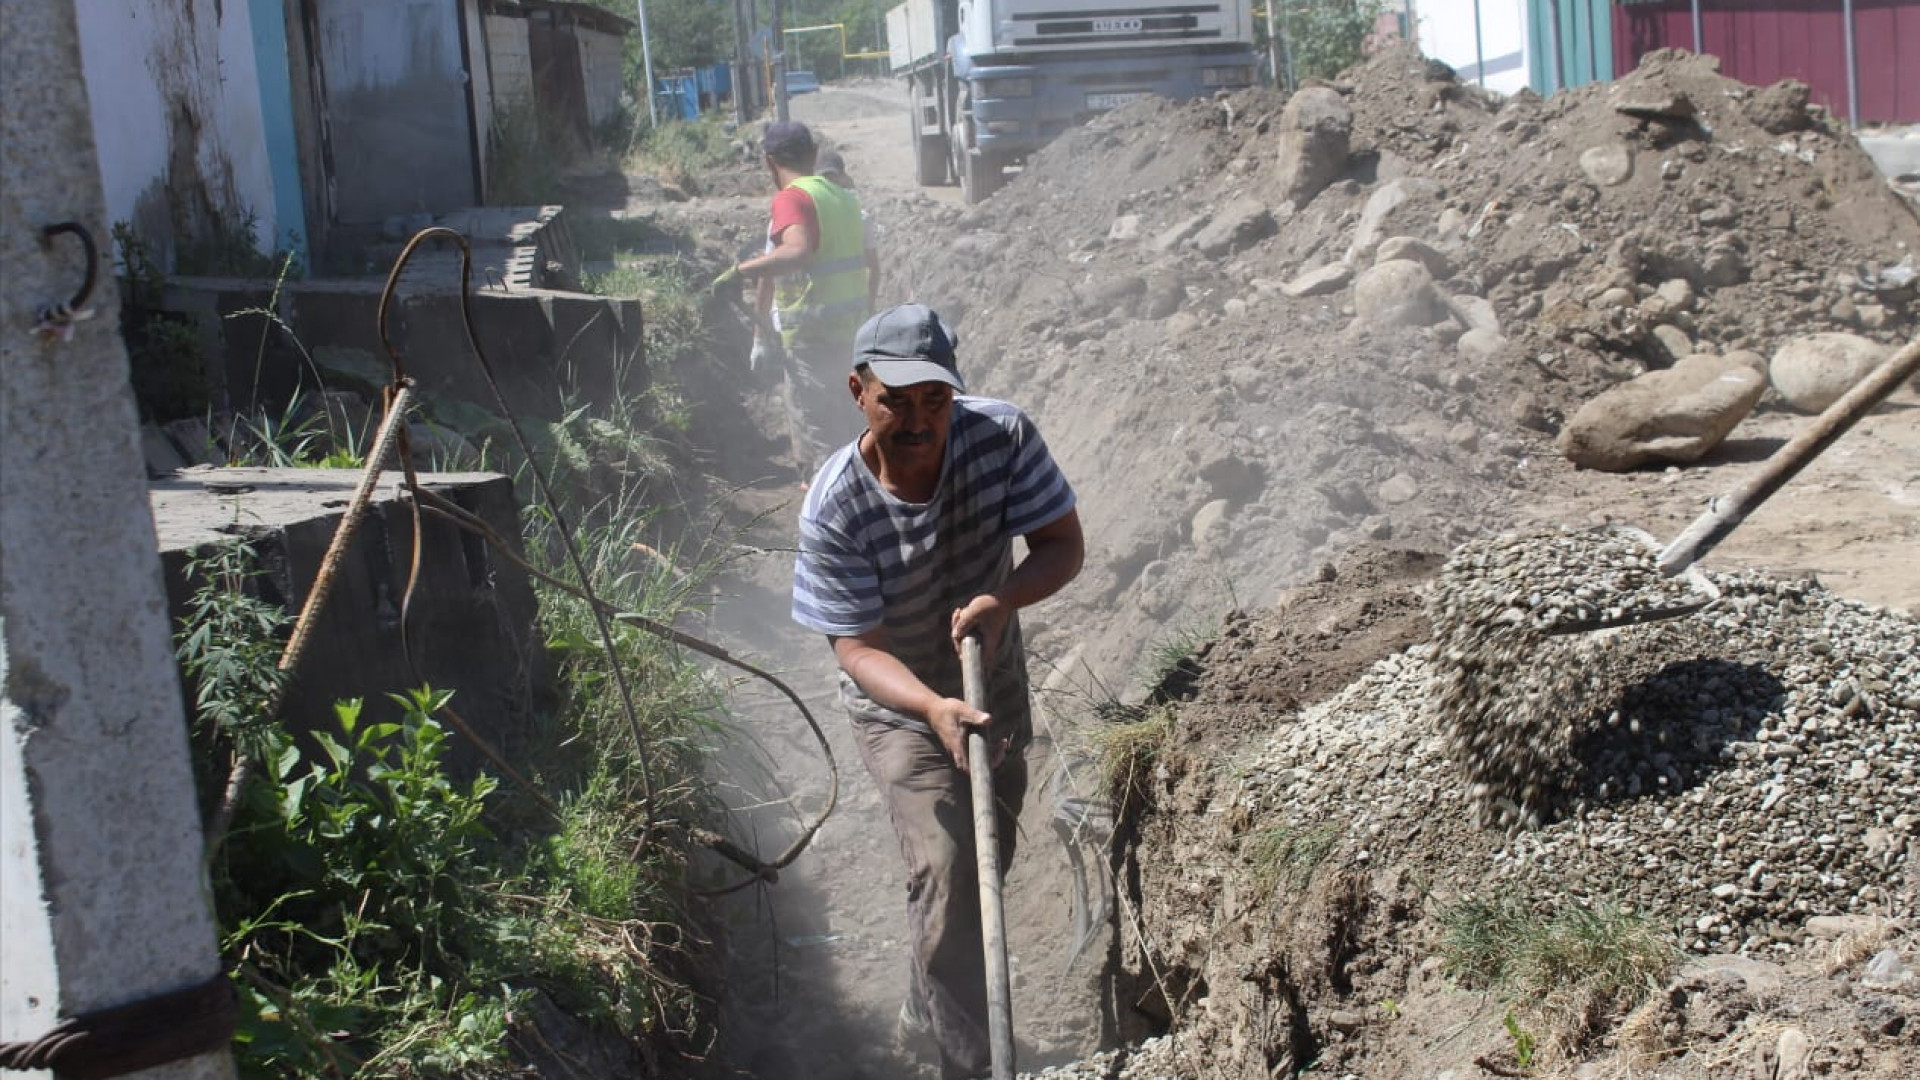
(931, 804)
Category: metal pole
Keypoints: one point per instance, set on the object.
(646, 61)
(740, 66)
(986, 846)
(1554, 74)
(1699, 39)
(777, 50)
(1273, 44)
(1479, 53)
(1853, 73)
(1286, 40)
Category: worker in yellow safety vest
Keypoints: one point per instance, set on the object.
(813, 287)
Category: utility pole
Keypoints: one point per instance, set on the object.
(740, 68)
(646, 62)
(102, 899)
(777, 46)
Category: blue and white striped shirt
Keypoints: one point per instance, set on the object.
(869, 560)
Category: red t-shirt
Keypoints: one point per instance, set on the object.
(793, 206)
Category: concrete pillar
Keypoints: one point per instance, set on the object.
(101, 897)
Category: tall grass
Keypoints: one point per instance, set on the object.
(1578, 967)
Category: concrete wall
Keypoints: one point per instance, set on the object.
(472, 617)
(1446, 33)
(602, 65)
(192, 119)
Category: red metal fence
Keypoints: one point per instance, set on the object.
(1763, 41)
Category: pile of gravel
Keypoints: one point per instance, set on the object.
(1506, 686)
(1727, 774)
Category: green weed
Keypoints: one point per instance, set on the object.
(1282, 855)
(1579, 967)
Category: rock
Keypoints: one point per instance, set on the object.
(1527, 410)
(1239, 225)
(1211, 517)
(1124, 227)
(1406, 247)
(1465, 436)
(1380, 207)
(1673, 108)
(1751, 359)
(1449, 224)
(1834, 926)
(1399, 488)
(1608, 166)
(1671, 343)
(1328, 279)
(1780, 109)
(1615, 297)
(1474, 312)
(1677, 292)
(1346, 1020)
(1886, 971)
(1164, 296)
(1179, 233)
(1793, 1056)
(1812, 372)
(1397, 293)
(1676, 415)
(1479, 344)
(1315, 129)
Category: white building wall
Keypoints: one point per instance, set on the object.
(1447, 34)
(601, 68)
(176, 107)
(510, 61)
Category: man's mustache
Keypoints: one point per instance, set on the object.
(912, 438)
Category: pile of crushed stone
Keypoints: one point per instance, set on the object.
(1728, 774)
(1503, 684)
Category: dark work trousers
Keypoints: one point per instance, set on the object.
(931, 804)
(821, 415)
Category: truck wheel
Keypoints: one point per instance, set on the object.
(979, 175)
(929, 152)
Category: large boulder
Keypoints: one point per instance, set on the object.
(1673, 415)
(1398, 292)
(1386, 207)
(1314, 131)
(1812, 372)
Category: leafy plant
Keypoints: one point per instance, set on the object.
(229, 646)
(1523, 1041)
(1321, 39)
(1127, 750)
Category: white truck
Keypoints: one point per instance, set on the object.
(992, 81)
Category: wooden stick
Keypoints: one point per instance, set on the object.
(1728, 511)
(986, 844)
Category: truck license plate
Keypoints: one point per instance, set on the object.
(1101, 102)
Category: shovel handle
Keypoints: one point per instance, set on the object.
(986, 846)
(1728, 511)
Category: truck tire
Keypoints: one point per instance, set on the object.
(979, 174)
(929, 151)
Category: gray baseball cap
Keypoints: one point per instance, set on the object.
(907, 345)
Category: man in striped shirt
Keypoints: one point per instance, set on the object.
(906, 547)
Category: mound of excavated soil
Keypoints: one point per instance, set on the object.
(1227, 436)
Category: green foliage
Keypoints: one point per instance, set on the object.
(522, 166)
(683, 34)
(1285, 855)
(1171, 659)
(304, 434)
(229, 647)
(679, 150)
(1523, 1041)
(1579, 967)
(676, 326)
(1322, 38)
